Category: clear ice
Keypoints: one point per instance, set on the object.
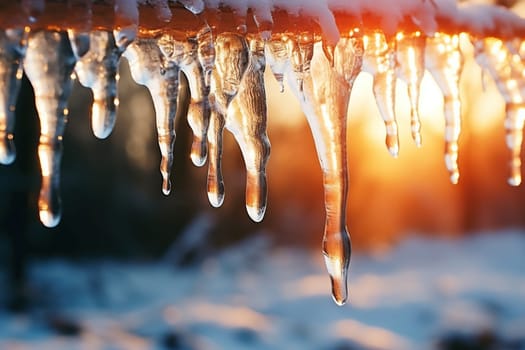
(445, 61)
(225, 73)
(277, 59)
(48, 64)
(326, 97)
(410, 56)
(161, 77)
(246, 120)
(12, 50)
(507, 71)
(98, 70)
(380, 61)
(231, 60)
(184, 54)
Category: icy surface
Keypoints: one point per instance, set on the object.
(252, 297)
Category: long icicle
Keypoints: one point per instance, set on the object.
(445, 61)
(232, 57)
(148, 67)
(410, 56)
(184, 53)
(49, 64)
(246, 119)
(324, 98)
(494, 56)
(380, 61)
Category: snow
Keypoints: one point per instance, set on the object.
(260, 297)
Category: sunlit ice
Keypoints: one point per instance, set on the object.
(374, 83)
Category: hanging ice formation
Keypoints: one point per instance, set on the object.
(223, 47)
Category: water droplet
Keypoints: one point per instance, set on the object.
(231, 61)
(246, 120)
(444, 60)
(12, 50)
(411, 68)
(48, 64)
(97, 70)
(380, 61)
(161, 77)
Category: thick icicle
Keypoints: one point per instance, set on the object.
(325, 101)
(161, 77)
(410, 58)
(277, 58)
(49, 64)
(246, 119)
(444, 60)
(380, 61)
(183, 53)
(232, 56)
(97, 70)
(493, 55)
(12, 50)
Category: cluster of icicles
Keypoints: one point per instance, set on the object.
(225, 72)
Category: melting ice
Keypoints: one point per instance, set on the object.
(225, 72)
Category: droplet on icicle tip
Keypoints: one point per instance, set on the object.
(337, 269)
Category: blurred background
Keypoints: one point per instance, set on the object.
(116, 219)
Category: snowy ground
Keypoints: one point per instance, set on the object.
(421, 293)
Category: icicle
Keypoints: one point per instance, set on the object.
(13, 44)
(444, 60)
(507, 72)
(98, 70)
(246, 119)
(277, 58)
(49, 64)
(184, 54)
(380, 61)
(411, 68)
(231, 61)
(149, 68)
(296, 60)
(206, 52)
(194, 6)
(326, 96)
(300, 53)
